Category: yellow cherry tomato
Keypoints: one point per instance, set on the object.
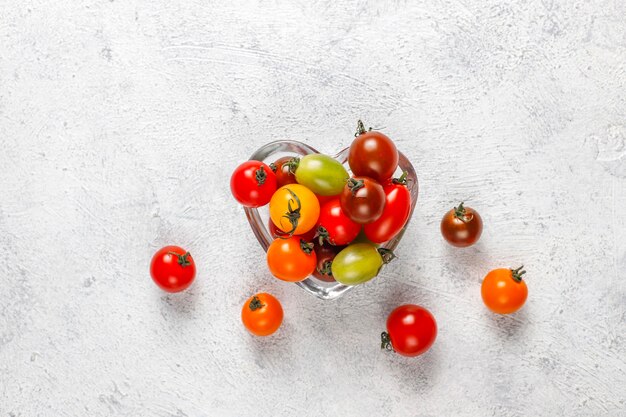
(294, 209)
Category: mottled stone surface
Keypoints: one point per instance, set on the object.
(120, 122)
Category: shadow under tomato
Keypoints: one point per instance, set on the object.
(510, 326)
(180, 304)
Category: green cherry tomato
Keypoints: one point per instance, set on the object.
(358, 263)
(321, 174)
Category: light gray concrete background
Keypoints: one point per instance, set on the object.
(121, 121)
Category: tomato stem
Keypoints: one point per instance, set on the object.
(461, 213)
(260, 176)
(272, 167)
(293, 164)
(183, 260)
(402, 180)
(255, 303)
(326, 268)
(307, 247)
(517, 273)
(322, 235)
(293, 215)
(355, 185)
(360, 128)
(387, 255)
(385, 342)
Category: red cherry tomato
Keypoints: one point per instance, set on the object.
(172, 269)
(285, 169)
(462, 226)
(323, 199)
(277, 233)
(395, 214)
(411, 330)
(253, 183)
(373, 155)
(334, 226)
(325, 255)
(362, 199)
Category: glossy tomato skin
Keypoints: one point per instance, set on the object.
(253, 183)
(285, 170)
(412, 329)
(501, 293)
(394, 217)
(462, 230)
(276, 233)
(373, 155)
(363, 200)
(356, 264)
(288, 261)
(172, 269)
(325, 255)
(300, 199)
(335, 226)
(321, 174)
(262, 314)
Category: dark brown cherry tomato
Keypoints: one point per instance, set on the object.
(462, 226)
(325, 255)
(362, 199)
(395, 214)
(285, 169)
(373, 155)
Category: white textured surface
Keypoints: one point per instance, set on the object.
(120, 122)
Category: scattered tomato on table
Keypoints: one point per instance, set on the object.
(262, 314)
(504, 291)
(461, 226)
(411, 330)
(172, 269)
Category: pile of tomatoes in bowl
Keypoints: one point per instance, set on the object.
(326, 221)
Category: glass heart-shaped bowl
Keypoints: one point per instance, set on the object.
(259, 219)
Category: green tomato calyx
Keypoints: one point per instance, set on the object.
(387, 255)
(293, 214)
(517, 274)
(355, 185)
(360, 128)
(402, 180)
(255, 303)
(461, 213)
(293, 164)
(183, 260)
(326, 269)
(260, 176)
(307, 247)
(385, 342)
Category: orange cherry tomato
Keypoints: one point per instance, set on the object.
(294, 209)
(291, 259)
(504, 291)
(262, 314)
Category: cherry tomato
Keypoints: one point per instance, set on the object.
(172, 269)
(294, 209)
(285, 169)
(504, 291)
(334, 226)
(323, 199)
(411, 330)
(325, 256)
(373, 155)
(359, 263)
(395, 213)
(321, 174)
(262, 314)
(277, 233)
(462, 226)
(253, 183)
(291, 259)
(363, 199)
